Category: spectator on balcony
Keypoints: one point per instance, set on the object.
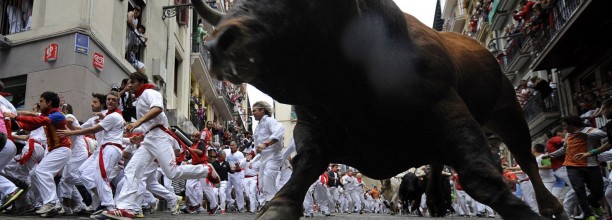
(523, 93)
(201, 33)
(132, 17)
(524, 12)
(541, 86)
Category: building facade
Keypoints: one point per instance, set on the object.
(560, 41)
(80, 47)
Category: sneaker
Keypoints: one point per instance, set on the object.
(98, 212)
(326, 214)
(119, 214)
(81, 208)
(309, 215)
(175, 210)
(66, 211)
(11, 198)
(155, 206)
(201, 210)
(48, 208)
(138, 215)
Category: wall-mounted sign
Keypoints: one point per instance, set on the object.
(51, 52)
(81, 43)
(98, 61)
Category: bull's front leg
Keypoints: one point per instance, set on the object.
(435, 202)
(308, 164)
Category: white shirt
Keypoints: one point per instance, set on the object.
(113, 126)
(348, 182)
(252, 170)
(547, 175)
(92, 122)
(236, 157)
(149, 99)
(268, 128)
(78, 142)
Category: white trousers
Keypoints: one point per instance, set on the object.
(70, 175)
(156, 145)
(283, 177)
(334, 197)
(268, 180)
(250, 188)
(209, 192)
(92, 177)
(22, 172)
(320, 195)
(356, 196)
(194, 192)
(46, 170)
(148, 187)
(220, 194)
(529, 195)
(6, 155)
(465, 202)
(234, 181)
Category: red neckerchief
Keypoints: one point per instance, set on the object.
(5, 94)
(142, 88)
(116, 110)
(359, 180)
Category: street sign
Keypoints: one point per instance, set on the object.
(51, 52)
(98, 61)
(81, 43)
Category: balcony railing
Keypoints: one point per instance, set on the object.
(513, 50)
(537, 106)
(135, 45)
(15, 16)
(562, 11)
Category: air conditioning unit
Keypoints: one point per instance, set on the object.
(159, 70)
(5, 42)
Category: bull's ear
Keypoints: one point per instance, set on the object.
(209, 14)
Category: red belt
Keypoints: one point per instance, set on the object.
(249, 176)
(101, 160)
(28, 155)
(9, 130)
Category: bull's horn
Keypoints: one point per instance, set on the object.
(209, 14)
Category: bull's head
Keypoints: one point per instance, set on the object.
(283, 47)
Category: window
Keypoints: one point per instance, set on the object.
(15, 16)
(182, 16)
(177, 64)
(136, 38)
(14, 91)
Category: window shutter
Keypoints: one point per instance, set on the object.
(183, 14)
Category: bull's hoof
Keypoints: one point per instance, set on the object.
(280, 208)
(437, 209)
(550, 214)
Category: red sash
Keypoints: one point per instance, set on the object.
(9, 129)
(101, 160)
(27, 156)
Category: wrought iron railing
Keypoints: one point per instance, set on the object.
(135, 45)
(514, 49)
(536, 106)
(562, 11)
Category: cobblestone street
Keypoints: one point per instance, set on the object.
(240, 216)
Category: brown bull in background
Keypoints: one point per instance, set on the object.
(376, 89)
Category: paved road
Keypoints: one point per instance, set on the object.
(240, 216)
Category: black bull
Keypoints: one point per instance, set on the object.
(376, 89)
